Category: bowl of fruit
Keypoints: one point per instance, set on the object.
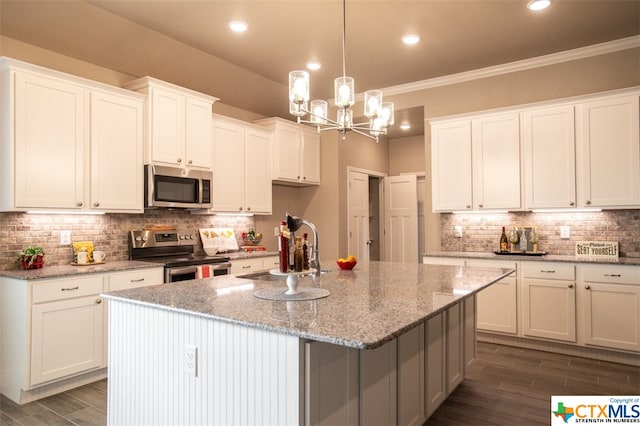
(251, 238)
(347, 264)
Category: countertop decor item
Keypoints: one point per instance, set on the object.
(347, 264)
(32, 257)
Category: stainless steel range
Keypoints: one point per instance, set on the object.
(176, 251)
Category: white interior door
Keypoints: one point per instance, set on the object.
(358, 215)
(401, 219)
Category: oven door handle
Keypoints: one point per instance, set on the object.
(219, 266)
(181, 270)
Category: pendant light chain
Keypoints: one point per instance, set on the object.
(344, 37)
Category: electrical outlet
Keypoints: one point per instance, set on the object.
(191, 360)
(564, 232)
(458, 231)
(65, 238)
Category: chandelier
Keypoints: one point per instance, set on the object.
(379, 113)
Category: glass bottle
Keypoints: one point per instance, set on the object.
(515, 238)
(504, 242)
(305, 252)
(283, 247)
(297, 255)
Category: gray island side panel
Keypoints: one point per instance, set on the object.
(369, 306)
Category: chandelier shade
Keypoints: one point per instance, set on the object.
(379, 113)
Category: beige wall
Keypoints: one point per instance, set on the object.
(406, 155)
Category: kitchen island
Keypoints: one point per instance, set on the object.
(388, 344)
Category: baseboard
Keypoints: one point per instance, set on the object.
(562, 348)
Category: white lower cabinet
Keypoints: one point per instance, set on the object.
(53, 331)
(497, 304)
(247, 266)
(401, 382)
(549, 300)
(67, 328)
(610, 301)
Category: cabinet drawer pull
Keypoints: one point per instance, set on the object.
(139, 280)
(613, 275)
(98, 301)
(550, 271)
(588, 287)
(70, 288)
(246, 267)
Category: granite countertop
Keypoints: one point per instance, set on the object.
(545, 258)
(236, 255)
(67, 270)
(367, 307)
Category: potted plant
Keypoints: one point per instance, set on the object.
(31, 257)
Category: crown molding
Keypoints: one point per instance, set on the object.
(525, 64)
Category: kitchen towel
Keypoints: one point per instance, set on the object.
(204, 271)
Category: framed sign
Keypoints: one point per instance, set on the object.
(524, 233)
(601, 249)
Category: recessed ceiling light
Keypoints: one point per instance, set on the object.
(238, 26)
(410, 39)
(538, 4)
(313, 65)
(405, 126)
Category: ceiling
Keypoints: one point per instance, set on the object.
(187, 42)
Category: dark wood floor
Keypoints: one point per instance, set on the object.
(506, 386)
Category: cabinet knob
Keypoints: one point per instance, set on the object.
(96, 204)
(190, 161)
(98, 301)
(571, 203)
(480, 205)
(588, 287)
(79, 204)
(304, 178)
(570, 285)
(240, 208)
(468, 206)
(298, 176)
(248, 208)
(587, 202)
(179, 160)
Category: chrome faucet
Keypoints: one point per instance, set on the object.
(294, 223)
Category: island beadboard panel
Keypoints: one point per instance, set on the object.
(108, 232)
(481, 232)
(242, 375)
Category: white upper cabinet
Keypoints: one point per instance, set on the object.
(451, 165)
(178, 124)
(608, 155)
(49, 142)
(576, 153)
(296, 153)
(116, 153)
(241, 167)
(475, 163)
(549, 157)
(495, 141)
(70, 144)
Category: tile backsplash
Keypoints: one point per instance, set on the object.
(481, 232)
(108, 232)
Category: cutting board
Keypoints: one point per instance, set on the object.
(223, 239)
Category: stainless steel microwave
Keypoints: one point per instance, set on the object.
(173, 187)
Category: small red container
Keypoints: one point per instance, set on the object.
(38, 263)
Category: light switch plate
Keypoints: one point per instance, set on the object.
(565, 233)
(65, 238)
(191, 360)
(458, 231)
